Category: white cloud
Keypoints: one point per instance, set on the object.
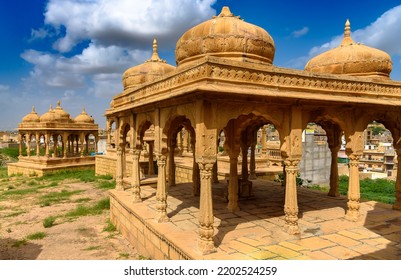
(123, 22)
(4, 88)
(301, 32)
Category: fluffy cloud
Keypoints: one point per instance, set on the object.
(123, 22)
(301, 32)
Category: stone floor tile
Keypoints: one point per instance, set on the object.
(319, 255)
(242, 247)
(262, 255)
(341, 240)
(293, 246)
(314, 243)
(341, 252)
(281, 251)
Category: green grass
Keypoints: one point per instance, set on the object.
(3, 172)
(36, 236)
(109, 227)
(108, 185)
(19, 243)
(91, 248)
(95, 209)
(49, 221)
(56, 197)
(12, 152)
(380, 190)
(15, 214)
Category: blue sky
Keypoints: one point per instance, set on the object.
(76, 50)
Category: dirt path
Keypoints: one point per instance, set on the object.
(25, 203)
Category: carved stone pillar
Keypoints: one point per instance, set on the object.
(20, 140)
(65, 145)
(215, 173)
(334, 172)
(206, 217)
(185, 141)
(161, 192)
(252, 163)
(119, 169)
(264, 142)
(28, 146)
(291, 200)
(47, 144)
(353, 188)
(151, 170)
(37, 139)
(195, 177)
(397, 204)
(171, 164)
(136, 183)
(233, 183)
(244, 163)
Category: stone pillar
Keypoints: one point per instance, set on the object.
(81, 140)
(264, 142)
(334, 172)
(47, 145)
(215, 173)
(119, 169)
(54, 145)
(233, 182)
(397, 204)
(291, 200)
(28, 146)
(108, 141)
(136, 183)
(195, 177)
(65, 146)
(353, 188)
(206, 217)
(151, 170)
(252, 163)
(171, 164)
(185, 142)
(161, 192)
(20, 139)
(37, 138)
(244, 163)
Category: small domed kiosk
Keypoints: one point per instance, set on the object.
(53, 142)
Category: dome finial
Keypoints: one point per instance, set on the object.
(155, 56)
(225, 12)
(33, 109)
(51, 108)
(58, 103)
(347, 40)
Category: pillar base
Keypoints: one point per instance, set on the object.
(292, 229)
(333, 193)
(252, 177)
(233, 209)
(206, 247)
(119, 185)
(397, 206)
(136, 199)
(352, 215)
(163, 218)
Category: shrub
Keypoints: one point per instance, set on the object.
(49, 221)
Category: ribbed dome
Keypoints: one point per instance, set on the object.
(225, 36)
(49, 116)
(31, 117)
(60, 114)
(148, 71)
(353, 59)
(84, 117)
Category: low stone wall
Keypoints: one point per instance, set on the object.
(106, 165)
(141, 231)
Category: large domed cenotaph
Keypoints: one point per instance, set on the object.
(54, 141)
(226, 84)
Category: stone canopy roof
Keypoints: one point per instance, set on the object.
(57, 118)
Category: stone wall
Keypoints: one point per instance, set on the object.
(316, 161)
(37, 171)
(138, 230)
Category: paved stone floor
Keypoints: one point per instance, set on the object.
(256, 231)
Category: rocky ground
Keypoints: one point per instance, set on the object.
(58, 218)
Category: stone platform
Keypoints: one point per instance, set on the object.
(39, 166)
(256, 231)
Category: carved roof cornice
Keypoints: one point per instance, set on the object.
(220, 75)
